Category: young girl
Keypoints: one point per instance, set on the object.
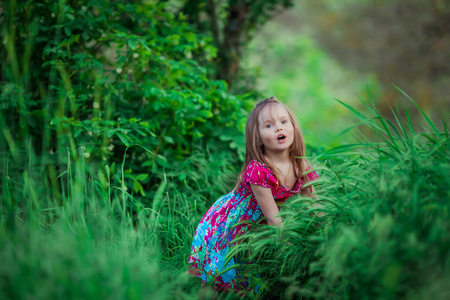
(273, 171)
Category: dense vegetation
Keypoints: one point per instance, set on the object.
(385, 233)
(116, 135)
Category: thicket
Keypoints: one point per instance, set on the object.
(102, 76)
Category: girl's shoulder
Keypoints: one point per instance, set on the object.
(257, 165)
(310, 173)
(259, 174)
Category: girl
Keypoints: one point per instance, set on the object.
(273, 171)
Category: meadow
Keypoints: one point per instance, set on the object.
(107, 166)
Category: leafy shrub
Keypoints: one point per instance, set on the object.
(104, 76)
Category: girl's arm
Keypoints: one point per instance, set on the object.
(268, 206)
(309, 192)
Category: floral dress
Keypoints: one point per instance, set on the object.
(217, 228)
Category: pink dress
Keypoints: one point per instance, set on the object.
(217, 228)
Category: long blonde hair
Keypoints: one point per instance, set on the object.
(254, 149)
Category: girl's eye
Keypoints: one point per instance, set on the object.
(284, 122)
(269, 126)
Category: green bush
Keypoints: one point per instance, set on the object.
(105, 75)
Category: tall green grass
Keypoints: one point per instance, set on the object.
(69, 227)
(385, 233)
(91, 245)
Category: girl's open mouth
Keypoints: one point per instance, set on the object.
(281, 137)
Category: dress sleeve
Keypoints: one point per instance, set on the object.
(259, 174)
(311, 175)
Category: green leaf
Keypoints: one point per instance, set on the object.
(138, 187)
(157, 200)
(145, 46)
(191, 37)
(110, 132)
(132, 44)
(141, 177)
(123, 138)
(169, 139)
(206, 113)
(175, 38)
(429, 121)
(140, 132)
(77, 132)
(107, 170)
(147, 163)
(67, 31)
(161, 160)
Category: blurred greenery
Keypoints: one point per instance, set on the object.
(402, 42)
(119, 128)
(291, 66)
(353, 45)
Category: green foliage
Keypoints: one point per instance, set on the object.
(89, 247)
(397, 229)
(105, 76)
(114, 142)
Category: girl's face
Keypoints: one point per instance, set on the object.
(275, 129)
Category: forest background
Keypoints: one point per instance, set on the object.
(122, 122)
